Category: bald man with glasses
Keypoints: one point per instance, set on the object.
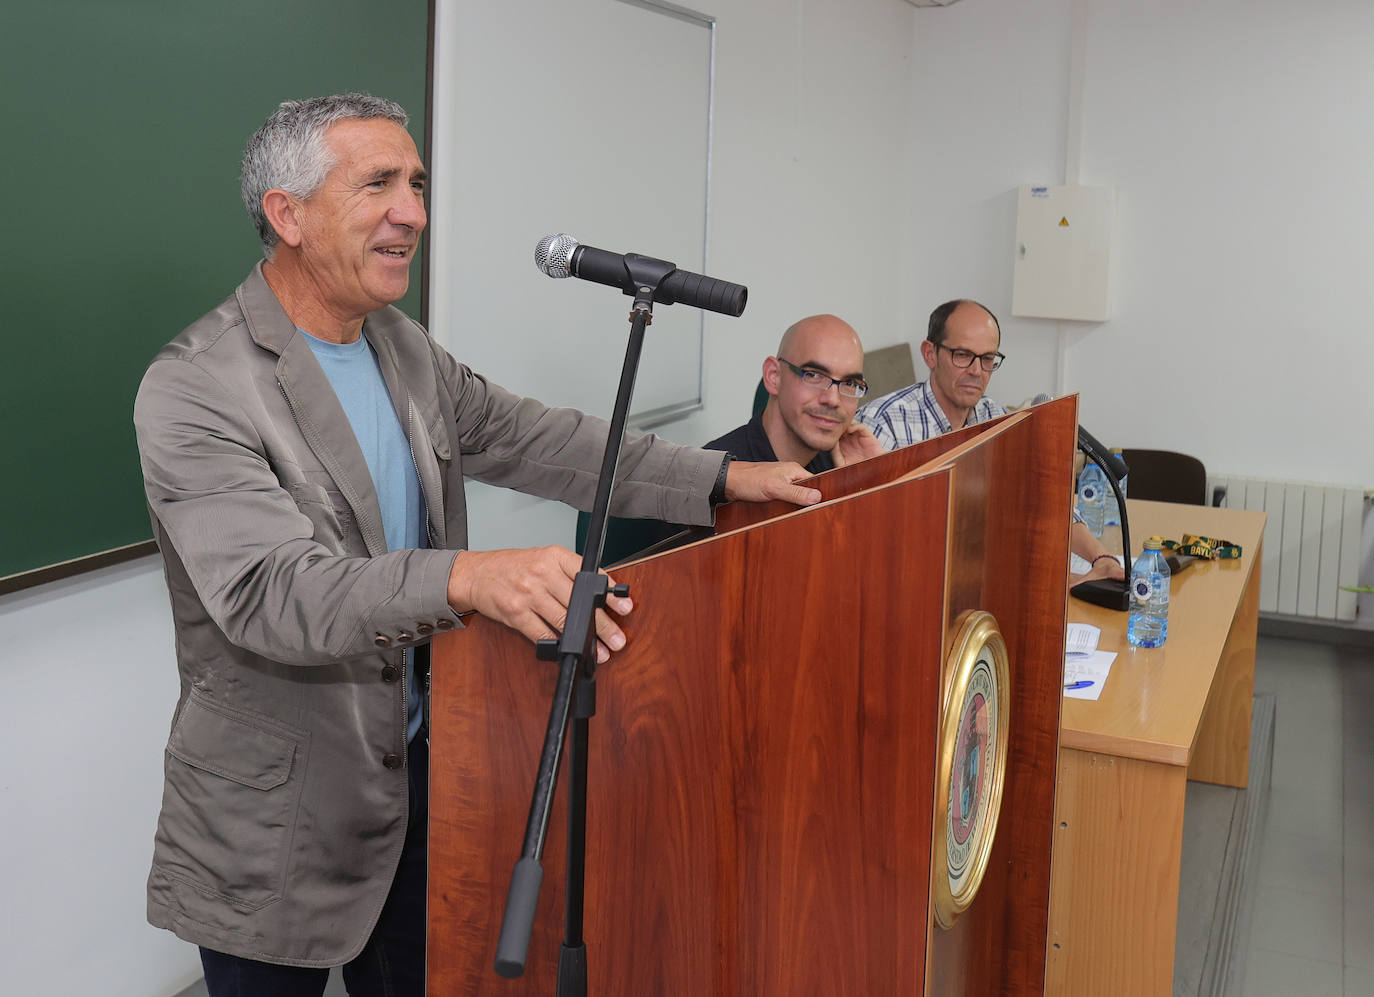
(814, 385)
(961, 351)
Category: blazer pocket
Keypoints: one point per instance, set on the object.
(233, 787)
(330, 515)
(438, 431)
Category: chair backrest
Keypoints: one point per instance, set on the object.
(760, 399)
(888, 368)
(1165, 476)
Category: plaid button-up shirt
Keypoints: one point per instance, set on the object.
(912, 414)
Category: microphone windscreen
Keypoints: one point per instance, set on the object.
(554, 253)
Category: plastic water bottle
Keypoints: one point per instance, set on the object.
(1112, 517)
(1092, 484)
(1148, 625)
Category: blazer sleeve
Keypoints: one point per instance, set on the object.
(271, 577)
(556, 453)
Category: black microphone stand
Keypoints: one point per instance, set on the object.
(575, 694)
(1108, 592)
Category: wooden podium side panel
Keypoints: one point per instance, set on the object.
(1010, 516)
(856, 477)
(761, 781)
(1221, 753)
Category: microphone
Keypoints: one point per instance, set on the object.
(1091, 445)
(562, 256)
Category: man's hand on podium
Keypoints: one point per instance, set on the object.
(746, 481)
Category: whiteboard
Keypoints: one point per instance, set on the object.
(590, 117)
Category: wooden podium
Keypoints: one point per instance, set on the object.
(762, 801)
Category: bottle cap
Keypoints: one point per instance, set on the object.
(1154, 543)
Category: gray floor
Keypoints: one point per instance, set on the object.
(1312, 931)
(1312, 928)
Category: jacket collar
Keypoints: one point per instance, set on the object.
(321, 418)
(267, 320)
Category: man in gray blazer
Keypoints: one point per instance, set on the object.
(303, 449)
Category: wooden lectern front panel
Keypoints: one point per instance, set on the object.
(760, 792)
(763, 759)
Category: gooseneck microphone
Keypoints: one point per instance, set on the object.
(563, 256)
(1108, 592)
(1091, 445)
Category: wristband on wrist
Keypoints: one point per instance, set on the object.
(717, 495)
(1101, 556)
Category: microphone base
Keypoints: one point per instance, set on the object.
(1106, 592)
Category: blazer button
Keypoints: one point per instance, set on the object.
(424, 629)
(392, 761)
(403, 636)
(382, 640)
(445, 624)
(390, 673)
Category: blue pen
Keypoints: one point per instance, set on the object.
(1080, 684)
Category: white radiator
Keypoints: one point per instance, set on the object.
(1311, 543)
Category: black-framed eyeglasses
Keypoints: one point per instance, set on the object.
(850, 387)
(964, 358)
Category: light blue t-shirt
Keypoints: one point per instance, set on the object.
(356, 377)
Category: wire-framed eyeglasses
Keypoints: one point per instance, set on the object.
(964, 358)
(850, 387)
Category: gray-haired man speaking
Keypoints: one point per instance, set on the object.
(303, 449)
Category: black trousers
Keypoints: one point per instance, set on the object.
(392, 963)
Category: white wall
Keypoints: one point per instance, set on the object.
(1243, 152)
(90, 682)
(1237, 136)
(991, 79)
(809, 179)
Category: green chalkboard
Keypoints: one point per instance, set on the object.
(124, 122)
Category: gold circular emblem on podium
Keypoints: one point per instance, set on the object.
(972, 763)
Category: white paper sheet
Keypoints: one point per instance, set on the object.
(1091, 668)
(1080, 638)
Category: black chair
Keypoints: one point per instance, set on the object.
(625, 538)
(760, 399)
(1165, 476)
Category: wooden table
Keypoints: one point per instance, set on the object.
(1166, 715)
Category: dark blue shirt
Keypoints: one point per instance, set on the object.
(750, 442)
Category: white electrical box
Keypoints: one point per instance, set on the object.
(1063, 252)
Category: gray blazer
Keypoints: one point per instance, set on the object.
(285, 798)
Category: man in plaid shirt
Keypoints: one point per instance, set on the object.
(961, 351)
